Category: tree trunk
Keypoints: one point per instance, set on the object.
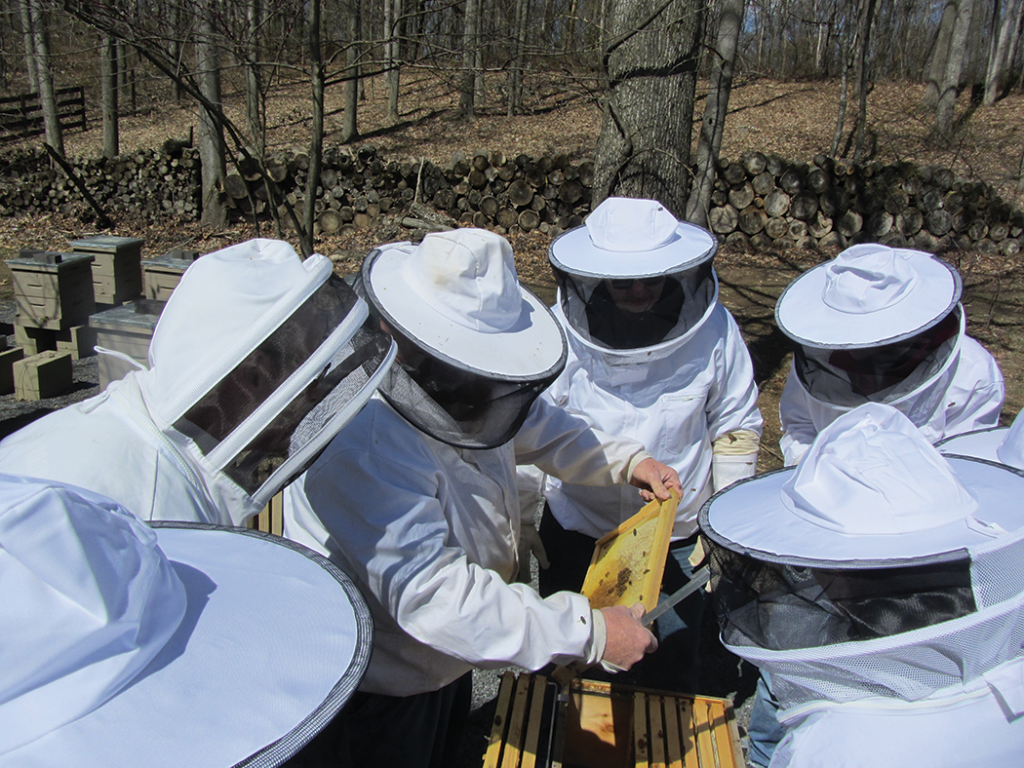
(47, 97)
(30, 45)
(713, 124)
(1008, 29)
(316, 140)
(641, 151)
(392, 14)
(837, 135)
(515, 76)
(349, 129)
(867, 16)
(940, 53)
(944, 111)
(254, 20)
(467, 103)
(108, 97)
(211, 136)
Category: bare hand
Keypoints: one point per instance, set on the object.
(654, 480)
(628, 639)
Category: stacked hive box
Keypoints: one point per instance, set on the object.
(127, 330)
(161, 274)
(53, 296)
(116, 269)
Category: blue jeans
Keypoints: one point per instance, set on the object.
(764, 731)
(675, 666)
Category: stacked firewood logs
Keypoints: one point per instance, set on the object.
(486, 189)
(758, 201)
(764, 202)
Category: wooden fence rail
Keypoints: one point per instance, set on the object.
(22, 116)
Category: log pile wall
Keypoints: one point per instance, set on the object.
(758, 201)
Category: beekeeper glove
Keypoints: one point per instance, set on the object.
(734, 457)
(530, 483)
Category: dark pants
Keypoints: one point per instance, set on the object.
(374, 730)
(675, 665)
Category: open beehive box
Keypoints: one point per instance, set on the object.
(629, 562)
(591, 724)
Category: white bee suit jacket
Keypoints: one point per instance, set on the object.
(970, 727)
(110, 445)
(676, 398)
(965, 395)
(429, 533)
(242, 357)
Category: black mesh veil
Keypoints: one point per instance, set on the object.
(282, 403)
(882, 374)
(781, 607)
(459, 406)
(636, 312)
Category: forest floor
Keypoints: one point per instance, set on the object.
(794, 119)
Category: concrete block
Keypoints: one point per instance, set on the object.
(79, 340)
(7, 360)
(47, 374)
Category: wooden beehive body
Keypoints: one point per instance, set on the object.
(592, 724)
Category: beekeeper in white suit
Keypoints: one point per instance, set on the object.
(880, 324)
(163, 644)
(416, 497)
(880, 584)
(655, 357)
(258, 359)
(1002, 444)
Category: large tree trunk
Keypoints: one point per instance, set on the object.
(951, 75)
(30, 45)
(210, 134)
(47, 97)
(316, 141)
(1009, 28)
(644, 146)
(715, 110)
(253, 87)
(108, 88)
(467, 96)
(392, 13)
(349, 128)
(936, 65)
(867, 16)
(515, 74)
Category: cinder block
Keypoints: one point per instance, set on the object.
(47, 374)
(33, 340)
(79, 340)
(7, 360)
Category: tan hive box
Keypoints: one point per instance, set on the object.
(160, 276)
(117, 269)
(127, 329)
(53, 296)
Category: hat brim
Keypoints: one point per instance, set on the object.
(802, 315)
(750, 517)
(274, 641)
(534, 347)
(575, 252)
(980, 444)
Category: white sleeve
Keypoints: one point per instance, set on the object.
(385, 518)
(565, 444)
(976, 394)
(732, 399)
(798, 431)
